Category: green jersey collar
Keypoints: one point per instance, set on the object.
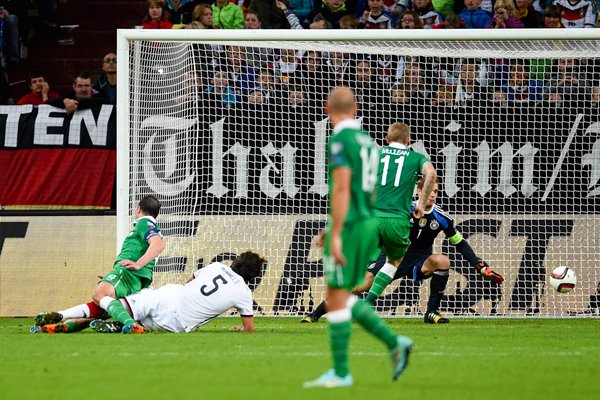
(347, 123)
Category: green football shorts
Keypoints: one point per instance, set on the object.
(359, 246)
(125, 281)
(394, 236)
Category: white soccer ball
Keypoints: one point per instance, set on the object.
(563, 279)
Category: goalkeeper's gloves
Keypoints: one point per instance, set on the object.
(484, 270)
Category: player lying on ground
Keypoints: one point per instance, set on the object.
(421, 263)
(132, 271)
(182, 308)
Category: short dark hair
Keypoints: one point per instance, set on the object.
(248, 265)
(552, 11)
(82, 75)
(35, 74)
(150, 206)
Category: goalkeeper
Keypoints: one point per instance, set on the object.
(420, 262)
(212, 290)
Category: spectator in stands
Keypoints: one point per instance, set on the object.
(474, 16)
(398, 95)
(82, 96)
(319, 22)
(504, 17)
(567, 82)
(258, 57)
(337, 70)
(201, 17)
(413, 82)
(429, 16)
(157, 15)
(443, 96)
(452, 21)
(252, 20)
(444, 7)
(527, 14)
(106, 83)
(219, 94)
(410, 20)
(470, 90)
(241, 76)
(388, 69)
(311, 71)
(40, 90)
(331, 11)
(375, 17)
(227, 15)
(595, 97)
(577, 13)
(552, 17)
(348, 22)
(180, 12)
(265, 84)
(256, 97)
(302, 8)
(519, 88)
(371, 93)
(486, 5)
(9, 28)
(271, 15)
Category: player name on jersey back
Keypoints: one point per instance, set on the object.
(394, 151)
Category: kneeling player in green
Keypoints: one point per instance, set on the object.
(132, 272)
(350, 240)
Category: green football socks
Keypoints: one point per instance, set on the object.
(381, 281)
(368, 319)
(340, 329)
(118, 312)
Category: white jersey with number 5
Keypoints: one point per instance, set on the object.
(182, 308)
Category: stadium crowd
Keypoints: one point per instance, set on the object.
(255, 75)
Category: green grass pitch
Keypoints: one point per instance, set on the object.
(466, 359)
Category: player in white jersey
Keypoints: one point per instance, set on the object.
(211, 291)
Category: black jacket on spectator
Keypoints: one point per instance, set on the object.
(96, 100)
(271, 16)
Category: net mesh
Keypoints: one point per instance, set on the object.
(231, 137)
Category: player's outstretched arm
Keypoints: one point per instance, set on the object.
(430, 178)
(157, 245)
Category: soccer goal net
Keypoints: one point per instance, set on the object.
(228, 129)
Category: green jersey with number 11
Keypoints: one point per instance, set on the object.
(399, 168)
(352, 147)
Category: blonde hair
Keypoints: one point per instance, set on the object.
(508, 4)
(398, 132)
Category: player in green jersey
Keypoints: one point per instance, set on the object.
(350, 240)
(132, 271)
(397, 175)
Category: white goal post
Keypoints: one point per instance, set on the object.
(227, 129)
